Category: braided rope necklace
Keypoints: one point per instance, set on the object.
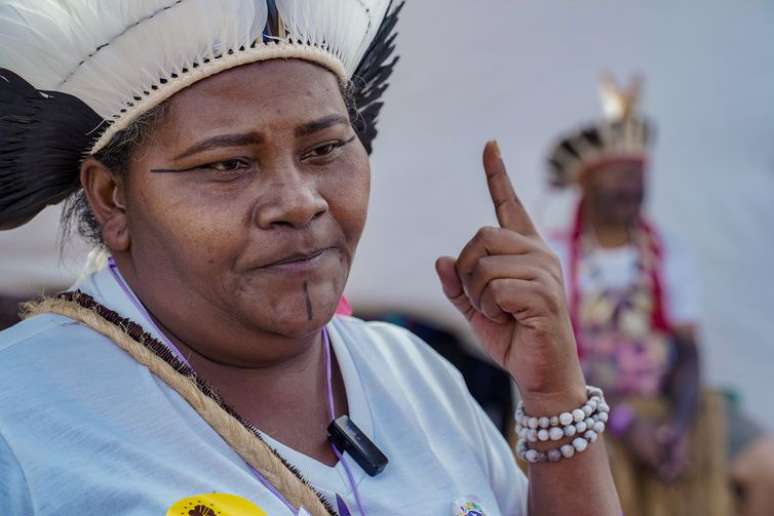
(282, 478)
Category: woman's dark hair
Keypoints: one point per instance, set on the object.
(116, 155)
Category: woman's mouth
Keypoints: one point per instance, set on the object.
(300, 262)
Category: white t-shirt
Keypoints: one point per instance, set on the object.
(86, 430)
(617, 269)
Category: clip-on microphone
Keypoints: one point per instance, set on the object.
(347, 437)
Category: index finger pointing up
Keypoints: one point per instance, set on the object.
(511, 214)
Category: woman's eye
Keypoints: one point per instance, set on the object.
(325, 150)
(229, 165)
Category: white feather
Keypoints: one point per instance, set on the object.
(344, 27)
(114, 54)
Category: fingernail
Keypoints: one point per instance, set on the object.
(496, 148)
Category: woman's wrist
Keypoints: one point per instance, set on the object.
(564, 397)
(554, 403)
(547, 437)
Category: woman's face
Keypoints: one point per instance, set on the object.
(247, 204)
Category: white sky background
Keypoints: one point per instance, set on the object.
(523, 71)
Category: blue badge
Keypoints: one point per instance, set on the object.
(468, 506)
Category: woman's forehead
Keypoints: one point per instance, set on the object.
(271, 93)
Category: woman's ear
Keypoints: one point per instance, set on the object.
(105, 192)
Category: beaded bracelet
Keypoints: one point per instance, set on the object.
(584, 423)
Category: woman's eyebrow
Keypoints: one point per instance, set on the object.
(320, 124)
(223, 140)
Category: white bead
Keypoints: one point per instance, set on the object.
(554, 421)
(554, 455)
(543, 422)
(578, 415)
(604, 407)
(599, 427)
(542, 435)
(555, 433)
(532, 435)
(589, 423)
(587, 409)
(532, 422)
(591, 436)
(567, 451)
(521, 447)
(580, 427)
(522, 433)
(569, 430)
(602, 416)
(532, 456)
(566, 418)
(593, 404)
(580, 444)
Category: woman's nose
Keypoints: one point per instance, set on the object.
(293, 201)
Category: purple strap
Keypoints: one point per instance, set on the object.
(143, 311)
(342, 506)
(332, 411)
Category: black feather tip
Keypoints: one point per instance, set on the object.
(43, 138)
(369, 82)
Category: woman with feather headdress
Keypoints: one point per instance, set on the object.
(216, 152)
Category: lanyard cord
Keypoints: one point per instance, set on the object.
(143, 311)
(332, 413)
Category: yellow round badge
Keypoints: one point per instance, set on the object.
(215, 504)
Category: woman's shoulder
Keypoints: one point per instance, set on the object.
(42, 334)
(47, 356)
(33, 334)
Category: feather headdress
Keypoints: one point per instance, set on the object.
(623, 136)
(74, 73)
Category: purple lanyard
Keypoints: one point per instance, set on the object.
(332, 414)
(329, 377)
(141, 308)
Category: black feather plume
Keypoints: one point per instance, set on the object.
(43, 138)
(369, 82)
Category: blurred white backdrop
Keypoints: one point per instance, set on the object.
(522, 72)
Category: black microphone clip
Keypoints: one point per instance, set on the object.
(347, 437)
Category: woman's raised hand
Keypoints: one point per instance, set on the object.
(509, 286)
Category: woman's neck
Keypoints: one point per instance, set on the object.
(277, 383)
(286, 399)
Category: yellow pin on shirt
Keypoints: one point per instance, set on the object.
(215, 504)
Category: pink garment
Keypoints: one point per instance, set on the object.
(344, 307)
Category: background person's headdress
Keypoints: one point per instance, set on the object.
(623, 136)
(74, 73)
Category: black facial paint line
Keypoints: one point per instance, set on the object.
(170, 170)
(309, 312)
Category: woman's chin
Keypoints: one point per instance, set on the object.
(293, 310)
(295, 321)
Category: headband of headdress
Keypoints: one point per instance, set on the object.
(73, 73)
(623, 136)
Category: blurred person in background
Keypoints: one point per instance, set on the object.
(633, 297)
